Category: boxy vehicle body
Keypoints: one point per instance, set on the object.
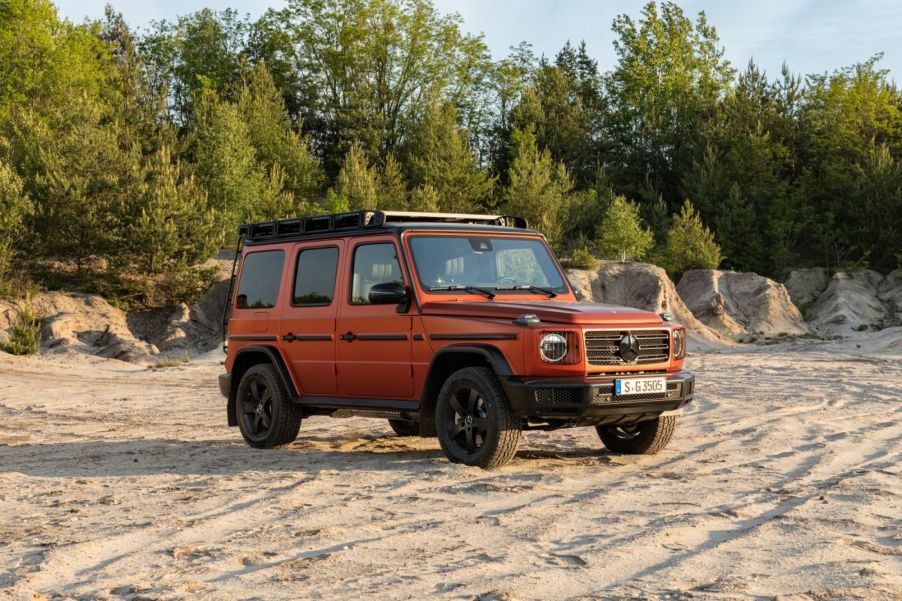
(463, 327)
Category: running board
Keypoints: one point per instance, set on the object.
(359, 404)
(373, 413)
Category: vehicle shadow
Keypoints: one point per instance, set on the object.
(125, 458)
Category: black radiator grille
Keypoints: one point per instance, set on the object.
(603, 347)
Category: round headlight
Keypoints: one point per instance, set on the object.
(553, 347)
(679, 344)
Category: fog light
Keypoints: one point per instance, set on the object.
(553, 347)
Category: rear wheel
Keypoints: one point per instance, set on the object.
(403, 427)
(266, 416)
(642, 438)
(475, 423)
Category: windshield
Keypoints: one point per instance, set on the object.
(485, 262)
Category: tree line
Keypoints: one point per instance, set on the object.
(128, 157)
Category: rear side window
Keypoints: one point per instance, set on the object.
(260, 278)
(314, 280)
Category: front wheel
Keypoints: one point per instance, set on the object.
(475, 423)
(266, 416)
(642, 438)
(403, 427)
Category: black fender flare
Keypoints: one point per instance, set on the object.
(492, 354)
(239, 366)
(435, 378)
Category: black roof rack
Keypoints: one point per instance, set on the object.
(359, 220)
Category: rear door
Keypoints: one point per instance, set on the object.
(308, 322)
(374, 341)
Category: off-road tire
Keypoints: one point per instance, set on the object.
(643, 438)
(501, 428)
(283, 416)
(403, 427)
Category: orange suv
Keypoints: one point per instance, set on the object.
(457, 326)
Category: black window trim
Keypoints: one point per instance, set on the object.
(392, 241)
(294, 280)
(241, 279)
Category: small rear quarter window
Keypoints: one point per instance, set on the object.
(261, 275)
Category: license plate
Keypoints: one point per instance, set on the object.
(640, 386)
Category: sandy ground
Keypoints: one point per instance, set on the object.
(117, 482)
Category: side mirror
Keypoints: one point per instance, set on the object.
(388, 293)
(577, 292)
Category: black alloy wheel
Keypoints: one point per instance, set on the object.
(470, 426)
(266, 416)
(404, 427)
(642, 438)
(256, 407)
(475, 423)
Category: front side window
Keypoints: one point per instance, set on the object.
(314, 280)
(488, 262)
(373, 264)
(261, 275)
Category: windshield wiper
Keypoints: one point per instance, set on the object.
(464, 288)
(551, 293)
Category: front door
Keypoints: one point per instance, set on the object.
(374, 341)
(308, 323)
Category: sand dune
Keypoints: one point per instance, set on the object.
(117, 482)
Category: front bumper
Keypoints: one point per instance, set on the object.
(591, 400)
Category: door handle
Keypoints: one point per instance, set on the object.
(349, 337)
(289, 337)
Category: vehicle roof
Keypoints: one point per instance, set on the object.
(398, 228)
(360, 223)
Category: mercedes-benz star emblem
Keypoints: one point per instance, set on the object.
(629, 348)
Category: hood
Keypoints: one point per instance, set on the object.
(550, 312)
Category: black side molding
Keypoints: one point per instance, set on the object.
(473, 336)
(381, 336)
(255, 337)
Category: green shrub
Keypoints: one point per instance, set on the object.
(25, 336)
(621, 234)
(689, 244)
(581, 258)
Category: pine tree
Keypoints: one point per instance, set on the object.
(226, 163)
(275, 202)
(277, 145)
(690, 245)
(539, 188)
(14, 208)
(621, 233)
(84, 173)
(440, 156)
(356, 187)
(137, 107)
(424, 198)
(392, 192)
(164, 229)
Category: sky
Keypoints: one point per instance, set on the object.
(811, 36)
